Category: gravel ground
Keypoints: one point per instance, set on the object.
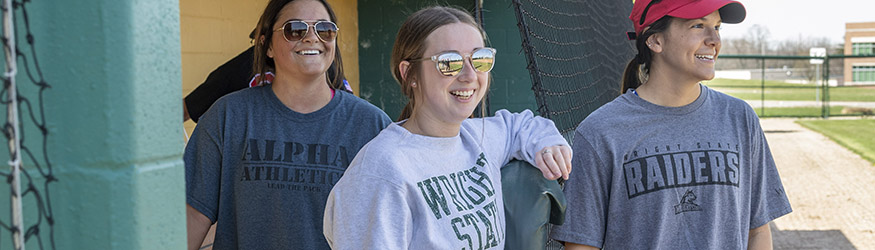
(831, 189)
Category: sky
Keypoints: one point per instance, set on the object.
(792, 19)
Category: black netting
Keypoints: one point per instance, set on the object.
(576, 52)
(36, 172)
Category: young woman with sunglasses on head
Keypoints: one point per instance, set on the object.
(432, 180)
(263, 160)
(673, 164)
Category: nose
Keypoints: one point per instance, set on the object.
(468, 74)
(310, 36)
(713, 38)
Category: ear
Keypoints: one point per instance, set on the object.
(403, 68)
(655, 42)
(269, 49)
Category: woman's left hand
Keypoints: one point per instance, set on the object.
(554, 161)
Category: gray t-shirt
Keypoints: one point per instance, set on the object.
(409, 191)
(646, 176)
(264, 171)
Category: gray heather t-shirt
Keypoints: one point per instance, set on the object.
(645, 176)
(409, 191)
(264, 171)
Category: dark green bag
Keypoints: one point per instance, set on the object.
(530, 203)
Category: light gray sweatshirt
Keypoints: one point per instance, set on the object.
(409, 191)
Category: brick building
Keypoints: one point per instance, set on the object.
(860, 40)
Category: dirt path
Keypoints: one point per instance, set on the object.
(831, 189)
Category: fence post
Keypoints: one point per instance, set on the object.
(825, 98)
(763, 87)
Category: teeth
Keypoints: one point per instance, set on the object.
(309, 52)
(708, 57)
(463, 94)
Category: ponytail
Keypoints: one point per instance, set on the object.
(631, 76)
(638, 69)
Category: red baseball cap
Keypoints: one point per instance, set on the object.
(652, 10)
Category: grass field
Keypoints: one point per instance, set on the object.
(856, 135)
(781, 91)
(797, 111)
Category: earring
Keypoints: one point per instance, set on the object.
(413, 84)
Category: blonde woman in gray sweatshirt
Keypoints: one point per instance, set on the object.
(433, 179)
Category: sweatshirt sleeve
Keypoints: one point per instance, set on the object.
(367, 212)
(524, 134)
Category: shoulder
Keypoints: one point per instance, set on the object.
(382, 156)
(234, 103)
(244, 95)
(733, 105)
(360, 107)
(613, 115)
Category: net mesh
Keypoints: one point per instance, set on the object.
(576, 52)
(36, 173)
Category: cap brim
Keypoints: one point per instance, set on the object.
(733, 12)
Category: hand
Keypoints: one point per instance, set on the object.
(554, 162)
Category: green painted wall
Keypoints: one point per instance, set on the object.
(113, 116)
(511, 83)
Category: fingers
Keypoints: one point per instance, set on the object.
(549, 156)
(567, 155)
(554, 162)
(542, 165)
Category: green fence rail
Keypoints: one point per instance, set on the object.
(822, 86)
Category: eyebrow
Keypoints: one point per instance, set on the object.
(705, 19)
(298, 19)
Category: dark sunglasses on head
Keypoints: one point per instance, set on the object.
(450, 63)
(296, 30)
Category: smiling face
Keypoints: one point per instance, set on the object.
(687, 50)
(450, 99)
(308, 57)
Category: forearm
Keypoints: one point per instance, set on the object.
(760, 238)
(198, 225)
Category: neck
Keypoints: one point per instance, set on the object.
(302, 95)
(422, 125)
(668, 90)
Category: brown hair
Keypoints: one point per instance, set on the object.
(410, 44)
(262, 63)
(633, 74)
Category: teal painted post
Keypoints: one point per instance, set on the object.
(113, 116)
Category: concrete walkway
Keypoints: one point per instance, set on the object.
(831, 189)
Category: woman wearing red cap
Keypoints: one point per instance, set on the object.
(672, 164)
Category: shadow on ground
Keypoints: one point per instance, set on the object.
(804, 239)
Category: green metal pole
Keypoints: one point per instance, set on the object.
(825, 78)
(763, 87)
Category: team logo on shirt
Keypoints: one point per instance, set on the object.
(687, 203)
(292, 165)
(655, 168)
(465, 200)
